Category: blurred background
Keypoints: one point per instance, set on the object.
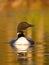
(36, 12)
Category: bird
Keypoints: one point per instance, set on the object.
(21, 43)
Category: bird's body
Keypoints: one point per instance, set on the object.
(22, 46)
(22, 43)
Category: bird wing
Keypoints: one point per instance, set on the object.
(31, 42)
(12, 43)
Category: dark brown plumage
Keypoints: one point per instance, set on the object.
(23, 26)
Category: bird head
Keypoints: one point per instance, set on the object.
(23, 26)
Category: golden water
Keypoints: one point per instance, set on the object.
(39, 55)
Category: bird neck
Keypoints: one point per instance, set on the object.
(21, 34)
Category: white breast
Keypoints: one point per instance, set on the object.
(22, 44)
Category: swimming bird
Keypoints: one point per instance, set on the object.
(22, 43)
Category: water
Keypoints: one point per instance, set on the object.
(40, 55)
